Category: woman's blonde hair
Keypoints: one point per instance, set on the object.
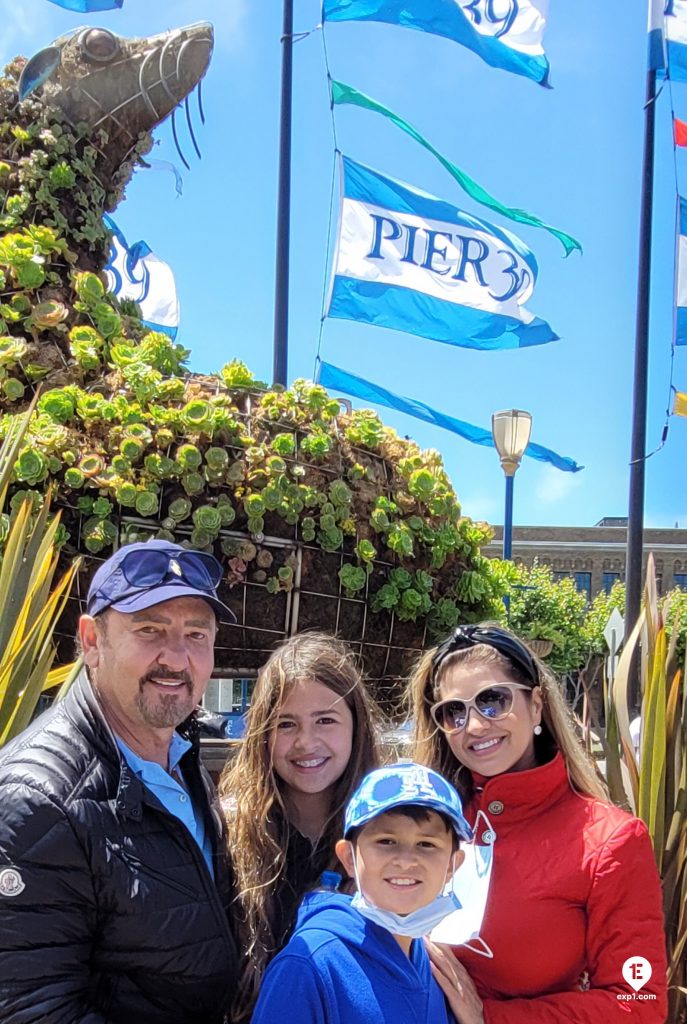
(559, 732)
(258, 825)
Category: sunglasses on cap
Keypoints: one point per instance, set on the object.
(464, 637)
(492, 702)
(144, 569)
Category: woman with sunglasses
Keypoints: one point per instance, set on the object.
(574, 909)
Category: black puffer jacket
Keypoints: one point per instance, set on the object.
(108, 912)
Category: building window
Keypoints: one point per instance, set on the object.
(680, 580)
(608, 579)
(583, 582)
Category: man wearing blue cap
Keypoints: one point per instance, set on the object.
(363, 958)
(113, 884)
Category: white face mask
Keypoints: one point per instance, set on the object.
(414, 925)
(470, 887)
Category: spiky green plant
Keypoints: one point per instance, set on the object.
(654, 785)
(29, 609)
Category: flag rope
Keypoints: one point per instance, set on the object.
(335, 156)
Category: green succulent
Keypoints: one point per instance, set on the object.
(98, 534)
(180, 509)
(74, 478)
(255, 525)
(353, 578)
(146, 503)
(197, 416)
(164, 437)
(421, 485)
(412, 605)
(237, 375)
(400, 540)
(227, 513)
(401, 579)
(171, 390)
(365, 551)
(339, 493)
(91, 464)
(89, 288)
(189, 457)
(193, 483)
(102, 508)
(330, 540)
(386, 598)
(131, 448)
(200, 538)
(161, 467)
(284, 444)
(61, 175)
(126, 494)
(235, 473)
(13, 389)
(253, 505)
(121, 465)
(217, 459)
(316, 446)
(208, 518)
(31, 467)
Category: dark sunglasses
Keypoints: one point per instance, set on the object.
(148, 568)
(464, 637)
(493, 702)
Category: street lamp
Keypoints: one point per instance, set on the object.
(511, 432)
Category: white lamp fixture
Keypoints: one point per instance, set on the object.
(511, 430)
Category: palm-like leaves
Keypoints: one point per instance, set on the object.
(28, 608)
(655, 785)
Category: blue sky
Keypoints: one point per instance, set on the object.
(571, 155)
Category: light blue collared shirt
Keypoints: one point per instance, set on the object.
(169, 792)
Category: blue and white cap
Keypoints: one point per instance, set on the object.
(397, 785)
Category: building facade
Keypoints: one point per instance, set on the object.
(595, 555)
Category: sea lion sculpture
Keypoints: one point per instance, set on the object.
(321, 518)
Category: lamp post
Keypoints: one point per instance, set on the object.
(511, 432)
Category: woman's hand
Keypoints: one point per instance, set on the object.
(456, 984)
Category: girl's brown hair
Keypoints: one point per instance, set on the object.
(258, 825)
(559, 732)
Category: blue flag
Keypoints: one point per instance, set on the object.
(332, 377)
(507, 35)
(414, 263)
(668, 38)
(135, 272)
(85, 6)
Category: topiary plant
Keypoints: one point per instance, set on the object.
(321, 517)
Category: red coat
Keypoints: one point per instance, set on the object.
(574, 890)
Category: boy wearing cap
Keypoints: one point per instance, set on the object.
(362, 958)
(113, 885)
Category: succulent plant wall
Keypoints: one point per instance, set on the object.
(293, 494)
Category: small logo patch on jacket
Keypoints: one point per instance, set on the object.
(11, 882)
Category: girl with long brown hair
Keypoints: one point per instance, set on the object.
(574, 907)
(309, 741)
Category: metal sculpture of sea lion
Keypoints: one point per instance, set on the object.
(75, 120)
(128, 85)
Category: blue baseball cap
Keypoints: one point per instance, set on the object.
(144, 574)
(399, 785)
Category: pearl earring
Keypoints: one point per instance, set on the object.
(537, 730)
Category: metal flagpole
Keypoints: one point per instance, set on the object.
(635, 520)
(281, 290)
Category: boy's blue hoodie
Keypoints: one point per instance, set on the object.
(340, 968)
